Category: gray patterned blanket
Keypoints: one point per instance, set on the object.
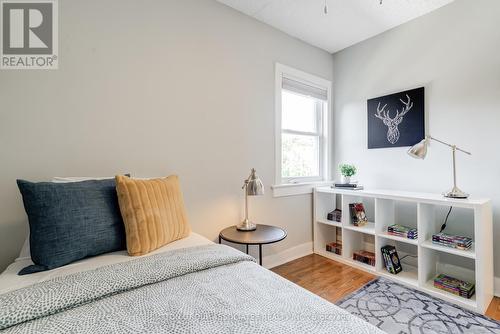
(206, 289)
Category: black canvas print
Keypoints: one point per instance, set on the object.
(396, 120)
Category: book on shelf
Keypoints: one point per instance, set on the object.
(358, 214)
(348, 186)
(334, 247)
(391, 259)
(455, 286)
(452, 241)
(338, 236)
(402, 231)
(364, 257)
(352, 184)
(335, 215)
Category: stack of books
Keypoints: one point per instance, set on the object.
(391, 259)
(335, 215)
(348, 186)
(402, 231)
(454, 286)
(334, 247)
(364, 257)
(453, 241)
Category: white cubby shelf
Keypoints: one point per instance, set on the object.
(425, 260)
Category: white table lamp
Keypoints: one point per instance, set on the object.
(419, 151)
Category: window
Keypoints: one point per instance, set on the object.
(302, 126)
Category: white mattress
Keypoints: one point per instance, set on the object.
(9, 280)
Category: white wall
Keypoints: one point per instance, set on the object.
(455, 53)
(152, 88)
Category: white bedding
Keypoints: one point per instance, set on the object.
(9, 280)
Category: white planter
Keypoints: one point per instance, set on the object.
(345, 179)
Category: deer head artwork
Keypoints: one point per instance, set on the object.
(393, 122)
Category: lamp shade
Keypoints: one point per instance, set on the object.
(419, 150)
(254, 185)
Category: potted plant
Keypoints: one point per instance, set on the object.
(347, 170)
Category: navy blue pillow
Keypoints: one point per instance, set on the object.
(71, 221)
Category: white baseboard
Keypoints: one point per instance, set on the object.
(288, 255)
(496, 288)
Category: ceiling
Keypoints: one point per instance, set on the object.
(348, 21)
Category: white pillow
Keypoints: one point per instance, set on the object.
(25, 251)
(59, 179)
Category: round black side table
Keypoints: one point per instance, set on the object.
(263, 235)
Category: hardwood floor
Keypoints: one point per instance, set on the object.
(494, 309)
(329, 279)
(334, 280)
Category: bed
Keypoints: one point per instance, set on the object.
(188, 286)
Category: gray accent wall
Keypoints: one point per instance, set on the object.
(153, 88)
(455, 53)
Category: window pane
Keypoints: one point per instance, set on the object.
(299, 112)
(300, 155)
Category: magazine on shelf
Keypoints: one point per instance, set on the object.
(402, 231)
(455, 286)
(452, 241)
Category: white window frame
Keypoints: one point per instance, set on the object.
(302, 185)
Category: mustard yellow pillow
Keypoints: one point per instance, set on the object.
(153, 212)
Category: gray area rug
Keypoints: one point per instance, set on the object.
(397, 309)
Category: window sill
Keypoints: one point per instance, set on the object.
(292, 189)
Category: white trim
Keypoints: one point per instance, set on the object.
(301, 133)
(497, 287)
(277, 121)
(287, 255)
(291, 189)
(325, 145)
